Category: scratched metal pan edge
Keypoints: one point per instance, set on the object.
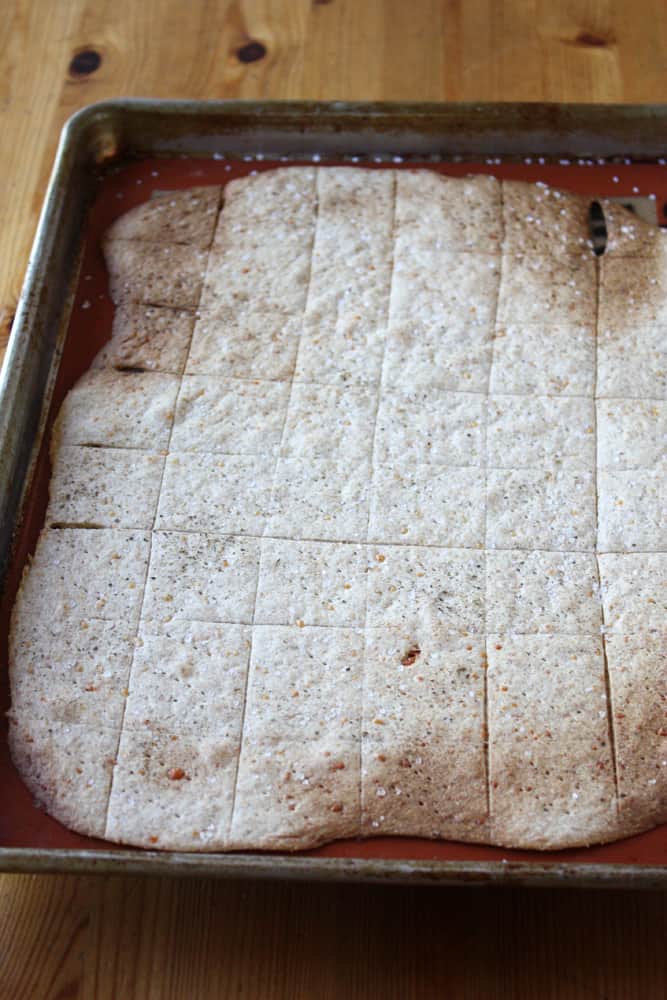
(107, 133)
(305, 869)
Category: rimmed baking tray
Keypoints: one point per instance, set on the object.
(112, 156)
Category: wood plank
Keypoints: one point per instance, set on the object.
(158, 938)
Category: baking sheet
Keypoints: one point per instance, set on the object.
(22, 824)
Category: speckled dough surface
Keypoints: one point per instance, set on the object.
(357, 524)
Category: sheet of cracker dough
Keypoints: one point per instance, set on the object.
(293, 795)
(638, 684)
(632, 510)
(430, 425)
(425, 588)
(427, 505)
(543, 360)
(104, 487)
(316, 583)
(80, 573)
(254, 298)
(632, 293)
(118, 410)
(223, 494)
(551, 769)
(628, 235)
(154, 338)
(172, 217)
(541, 221)
(189, 677)
(541, 508)
(71, 671)
(454, 356)
(229, 415)
(172, 790)
(325, 421)
(319, 499)
(461, 214)
(531, 592)
(67, 769)
(158, 274)
(350, 279)
(423, 735)
(634, 591)
(198, 577)
(538, 431)
(304, 685)
(632, 434)
(551, 291)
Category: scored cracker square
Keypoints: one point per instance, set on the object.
(632, 434)
(424, 588)
(316, 583)
(632, 510)
(226, 415)
(319, 498)
(465, 216)
(541, 508)
(427, 505)
(453, 356)
(199, 577)
(547, 291)
(79, 573)
(438, 286)
(67, 768)
(627, 234)
(430, 425)
(530, 431)
(328, 422)
(277, 199)
(175, 217)
(154, 338)
(542, 221)
(118, 410)
(518, 360)
(304, 684)
(290, 792)
(634, 591)
(158, 274)
(223, 494)
(183, 783)
(529, 592)
(632, 293)
(259, 342)
(104, 487)
(640, 374)
(346, 352)
(189, 677)
(637, 684)
(70, 671)
(544, 694)
(424, 705)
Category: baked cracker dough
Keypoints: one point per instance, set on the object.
(357, 524)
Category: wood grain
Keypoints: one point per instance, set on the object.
(131, 938)
(70, 938)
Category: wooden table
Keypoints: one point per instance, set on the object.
(67, 938)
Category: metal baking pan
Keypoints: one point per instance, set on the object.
(110, 147)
